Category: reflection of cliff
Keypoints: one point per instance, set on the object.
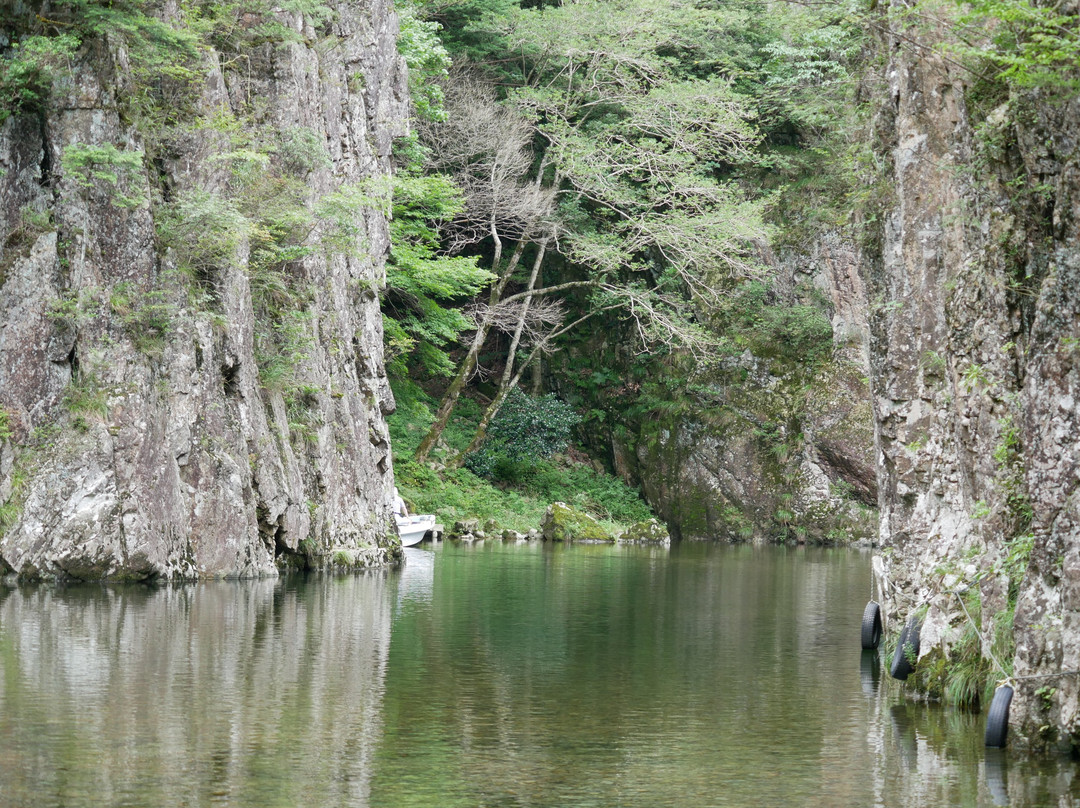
(253, 694)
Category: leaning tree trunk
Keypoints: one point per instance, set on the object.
(504, 382)
(468, 364)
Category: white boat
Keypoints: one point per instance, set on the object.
(412, 529)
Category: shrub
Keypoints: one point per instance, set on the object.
(26, 76)
(120, 171)
(526, 429)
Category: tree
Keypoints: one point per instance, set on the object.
(422, 284)
(610, 153)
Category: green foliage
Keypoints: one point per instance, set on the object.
(5, 425)
(204, 230)
(147, 316)
(422, 284)
(68, 311)
(1030, 46)
(961, 679)
(302, 150)
(85, 397)
(461, 494)
(602, 496)
(12, 508)
(419, 44)
(281, 349)
(524, 430)
(1011, 477)
(754, 318)
(239, 25)
(268, 210)
(974, 377)
(636, 139)
(1015, 563)
(28, 71)
(119, 172)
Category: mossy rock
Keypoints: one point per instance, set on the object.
(563, 523)
(648, 532)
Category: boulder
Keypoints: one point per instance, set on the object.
(563, 523)
(463, 526)
(650, 531)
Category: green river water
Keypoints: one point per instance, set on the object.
(488, 675)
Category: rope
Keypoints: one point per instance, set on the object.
(978, 632)
(1046, 675)
(1007, 677)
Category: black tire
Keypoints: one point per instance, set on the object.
(871, 626)
(902, 665)
(997, 723)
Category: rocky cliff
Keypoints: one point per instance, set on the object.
(776, 445)
(191, 244)
(973, 282)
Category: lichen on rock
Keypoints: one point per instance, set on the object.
(647, 532)
(190, 334)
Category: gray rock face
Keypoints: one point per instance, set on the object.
(149, 437)
(974, 327)
(774, 452)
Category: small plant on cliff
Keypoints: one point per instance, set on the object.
(28, 72)
(119, 173)
(147, 316)
(204, 231)
(1008, 455)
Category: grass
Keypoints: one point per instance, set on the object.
(517, 503)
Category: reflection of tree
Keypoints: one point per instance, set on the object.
(262, 693)
(591, 675)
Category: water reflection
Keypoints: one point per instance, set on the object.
(531, 675)
(713, 676)
(416, 578)
(259, 693)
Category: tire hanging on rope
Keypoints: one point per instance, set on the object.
(907, 650)
(997, 722)
(871, 626)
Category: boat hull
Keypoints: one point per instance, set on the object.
(412, 529)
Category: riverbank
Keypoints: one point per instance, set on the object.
(514, 499)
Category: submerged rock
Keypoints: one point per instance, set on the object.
(647, 532)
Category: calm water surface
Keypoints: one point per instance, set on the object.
(493, 675)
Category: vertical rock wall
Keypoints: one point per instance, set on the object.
(145, 438)
(974, 318)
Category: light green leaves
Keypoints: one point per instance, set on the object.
(120, 173)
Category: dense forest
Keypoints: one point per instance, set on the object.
(633, 191)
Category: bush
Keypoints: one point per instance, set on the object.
(526, 429)
(27, 73)
(461, 494)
